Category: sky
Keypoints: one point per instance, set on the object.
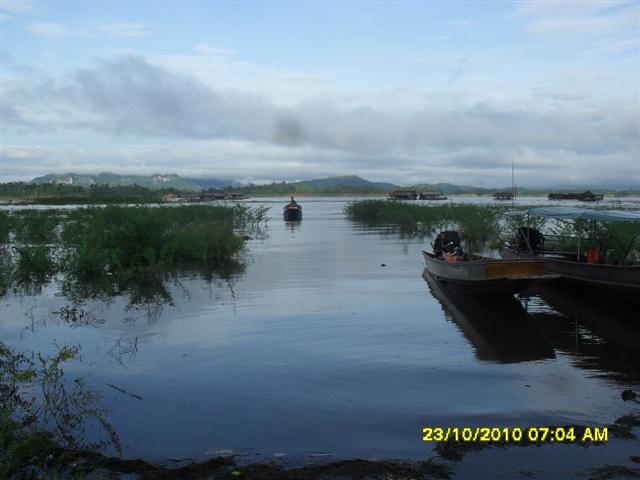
(406, 92)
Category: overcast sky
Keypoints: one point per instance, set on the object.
(405, 92)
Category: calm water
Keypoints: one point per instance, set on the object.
(318, 348)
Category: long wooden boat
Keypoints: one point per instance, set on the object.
(617, 279)
(621, 281)
(292, 211)
(488, 276)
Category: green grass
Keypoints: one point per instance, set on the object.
(484, 225)
(114, 247)
(36, 226)
(477, 223)
(128, 240)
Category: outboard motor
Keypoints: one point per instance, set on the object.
(447, 242)
(530, 239)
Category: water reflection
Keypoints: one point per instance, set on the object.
(499, 328)
(599, 337)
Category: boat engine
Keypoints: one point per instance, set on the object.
(530, 239)
(447, 242)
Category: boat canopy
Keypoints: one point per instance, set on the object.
(579, 213)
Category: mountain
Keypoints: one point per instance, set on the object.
(347, 181)
(154, 182)
(215, 183)
(452, 189)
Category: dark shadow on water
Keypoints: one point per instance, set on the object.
(599, 336)
(499, 328)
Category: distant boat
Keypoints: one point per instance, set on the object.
(404, 195)
(481, 275)
(587, 196)
(292, 211)
(433, 196)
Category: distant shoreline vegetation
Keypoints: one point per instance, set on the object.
(61, 193)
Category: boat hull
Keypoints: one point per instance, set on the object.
(292, 214)
(621, 280)
(488, 276)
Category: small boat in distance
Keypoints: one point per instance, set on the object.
(480, 275)
(292, 211)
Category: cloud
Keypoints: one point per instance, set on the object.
(18, 6)
(207, 128)
(48, 29)
(581, 18)
(125, 30)
(115, 30)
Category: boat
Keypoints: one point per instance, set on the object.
(292, 211)
(584, 267)
(481, 275)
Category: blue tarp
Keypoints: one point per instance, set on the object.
(580, 213)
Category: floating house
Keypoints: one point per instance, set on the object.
(208, 196)
(404, 195)
(503, 196)
(432, 196)
(587, 196)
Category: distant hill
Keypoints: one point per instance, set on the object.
(154, 182)
(346, 180)
(215, 183)
(452, 189)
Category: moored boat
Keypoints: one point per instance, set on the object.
(293, 211)
(481, 275)
(585, 267)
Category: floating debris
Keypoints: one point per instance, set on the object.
(122, 390)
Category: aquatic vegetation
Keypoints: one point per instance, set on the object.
(42, 410)
(113, 248)
(34, 264)
(36, 226)
(477, 223)
(5, 226)
(485, 225)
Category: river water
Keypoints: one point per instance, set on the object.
(331, 341)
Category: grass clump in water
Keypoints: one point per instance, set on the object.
(129, 240)
(34, 264)
(478, 223)
(36, 226)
